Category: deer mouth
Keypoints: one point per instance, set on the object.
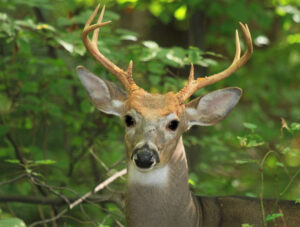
(145, 158)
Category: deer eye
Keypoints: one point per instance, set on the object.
(129, 121)
(173, 125)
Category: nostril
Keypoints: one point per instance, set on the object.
(144, 159)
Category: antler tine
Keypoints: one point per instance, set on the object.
(96, 31)
(125, 77)
(191, 76)
(87, 24)
(237, 47)
(184, 91)
(193, 85)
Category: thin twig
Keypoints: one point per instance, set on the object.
(290, 182)
(91, 150)
(50, 188)
(118, 223)
(57, 201)
(116, 163)
(261, 196)
(13, 180)
(99, 187)
(171, 73)
(83, 198)
(87, 216)
(18, 151)
(105, 219)
(81, 221)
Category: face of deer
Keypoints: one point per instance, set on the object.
(153, 122)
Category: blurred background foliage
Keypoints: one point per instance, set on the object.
(50, 133)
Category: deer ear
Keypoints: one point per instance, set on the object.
(213, 107)
(105, 95)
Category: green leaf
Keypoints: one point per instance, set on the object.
(3, 17)
(156, 8)
(247, 225)
(213, 54)
(68, 46)
(172, 55)
(13, 161)
(254, 143)
(28, 123)
(129, 37)
(45, 27)
(5, 104)
(297, 200)
(241, 162)
(193, 179)
(148, 55)
(154, 79)
(207, 62)
(280, 164)
(295, 126)
(150, 44)
(155, 67)
(26, 23)
(286, 150)
(12, 222)
(251, 140)
(44, 4)
(194, 55)
(45, 162)
(250, 126)
(272, 217)
(180, 13)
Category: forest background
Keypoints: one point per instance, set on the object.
(55, 146)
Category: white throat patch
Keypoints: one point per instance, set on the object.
(156, 177)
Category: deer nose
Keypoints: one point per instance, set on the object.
(145, 157)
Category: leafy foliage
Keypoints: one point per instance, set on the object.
(50, 133)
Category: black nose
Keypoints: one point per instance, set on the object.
(144, 157)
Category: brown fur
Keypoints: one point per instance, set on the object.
(154, 105)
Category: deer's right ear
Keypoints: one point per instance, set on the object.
(105, 95)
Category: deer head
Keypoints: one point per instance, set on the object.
(155, 122)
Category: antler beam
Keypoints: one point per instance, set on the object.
(193, 85)
(125, 77)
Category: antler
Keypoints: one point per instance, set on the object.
(125, 77)
(193, 85)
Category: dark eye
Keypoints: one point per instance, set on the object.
(129, 121)
(173, 125)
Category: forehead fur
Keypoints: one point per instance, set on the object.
(154, 105)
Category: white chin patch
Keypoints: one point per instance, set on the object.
(154, 177)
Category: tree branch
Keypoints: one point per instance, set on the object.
(104, 198)
(13, 180)
(83, 198)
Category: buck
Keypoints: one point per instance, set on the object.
(157, 189)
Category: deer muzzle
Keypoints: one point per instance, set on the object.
(145, 158)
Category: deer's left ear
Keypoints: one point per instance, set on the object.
(212, 107)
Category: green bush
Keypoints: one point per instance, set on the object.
(50, 133)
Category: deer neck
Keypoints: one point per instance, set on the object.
(162, 196)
